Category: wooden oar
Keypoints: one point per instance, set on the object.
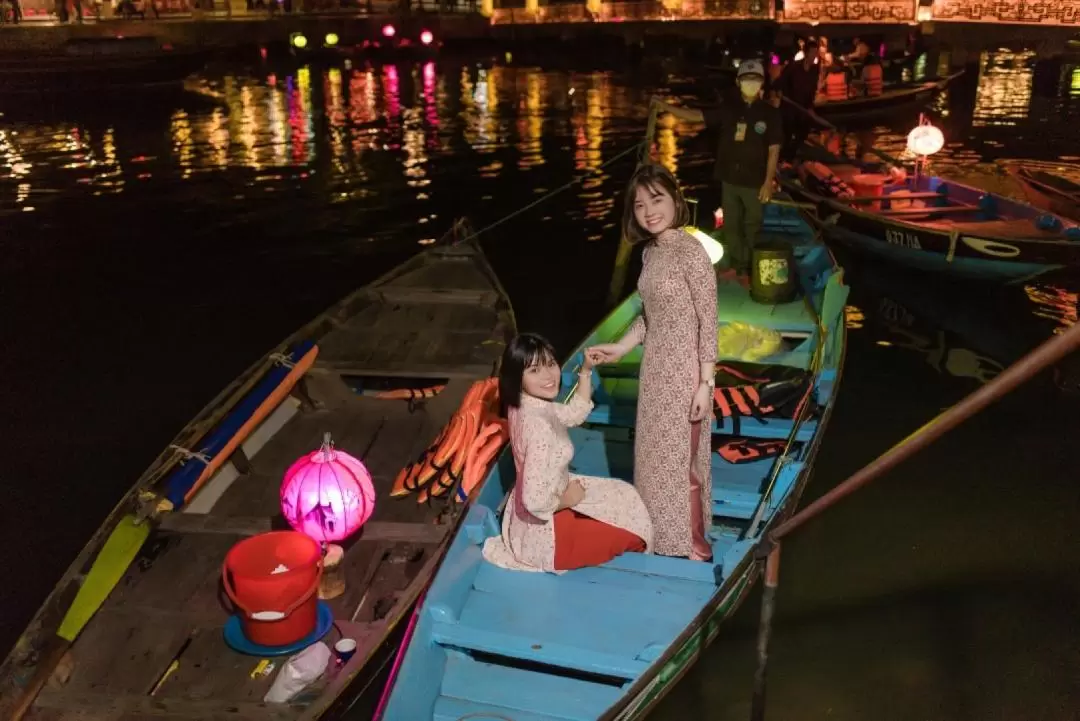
(809, 113)
(825, 123)
(109, 567)
(1038, 360)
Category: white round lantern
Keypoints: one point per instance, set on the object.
(925, 140)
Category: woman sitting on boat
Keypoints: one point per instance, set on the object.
(672, 450)
(556, 520)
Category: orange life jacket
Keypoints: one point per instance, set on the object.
(836, 87)
(748, 450)
(872, 76)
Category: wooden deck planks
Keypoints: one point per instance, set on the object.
(132, 707)
(438, 320)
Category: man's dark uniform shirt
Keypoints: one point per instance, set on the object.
(745, 133)
(799, 83)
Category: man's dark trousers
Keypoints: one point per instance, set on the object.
(742, 224)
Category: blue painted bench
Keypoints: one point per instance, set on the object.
(570, 623)
(488, 690)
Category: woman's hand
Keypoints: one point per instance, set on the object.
(573, 495)
(699, 407)
(588, 360)
(606, 353)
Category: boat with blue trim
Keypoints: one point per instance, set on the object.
(160, 642)
(608, 642)
(933, 223)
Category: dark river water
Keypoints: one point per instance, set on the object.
(152, 248)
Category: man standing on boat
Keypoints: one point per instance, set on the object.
(798, 86)
(750, 135)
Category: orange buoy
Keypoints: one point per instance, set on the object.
(271, 578)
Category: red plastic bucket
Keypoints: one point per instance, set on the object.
(869, 185)
(275, 608)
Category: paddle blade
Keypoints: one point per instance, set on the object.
(109, 567)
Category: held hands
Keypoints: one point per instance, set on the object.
(699, 407)
(604, 353)
(588, 359)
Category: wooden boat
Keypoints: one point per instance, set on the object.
(891, 100)
(1046, 190)
(608, 642)
(933, 223)
(440, 318)
(87, 66)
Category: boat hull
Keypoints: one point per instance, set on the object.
(932, 255)
(969, 250)
(1044, 196)
(890, 101)
(62, 75)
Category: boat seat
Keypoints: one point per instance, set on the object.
(472, 688)
(569, 621)
(621, 411)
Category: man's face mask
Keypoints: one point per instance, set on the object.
(750, 88)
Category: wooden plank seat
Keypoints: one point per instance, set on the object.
(473, 687)
(934, 209)
(567, 623)
(921, 195)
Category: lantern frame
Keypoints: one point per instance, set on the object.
(330, 512)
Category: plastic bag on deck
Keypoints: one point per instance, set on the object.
(298, 673)
(745, 342)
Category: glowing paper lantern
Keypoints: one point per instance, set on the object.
(327, 495)
(925, 140)
(331, 39)
(712, 246)
(388, 31)
(426, 37)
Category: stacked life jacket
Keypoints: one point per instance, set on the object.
(836, 86)
(743, 393)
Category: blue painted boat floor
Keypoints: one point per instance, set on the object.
(569, 644)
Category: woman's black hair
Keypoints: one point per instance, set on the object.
(526, 350)
(653, 177)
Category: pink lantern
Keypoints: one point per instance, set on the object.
(327, 495)
(426, 37)
(388, 31)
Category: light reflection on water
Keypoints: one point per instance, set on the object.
(370, 138)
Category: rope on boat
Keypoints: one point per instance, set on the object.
(189, 454)
(561, 189)
(283, 360)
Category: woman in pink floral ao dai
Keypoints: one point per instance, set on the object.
(678, 327)
(556, 520)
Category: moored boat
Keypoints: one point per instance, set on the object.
(932, 223)
(99, 64)
(382, 372)
(608, 642)
(1049, 191)
(892, 99)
